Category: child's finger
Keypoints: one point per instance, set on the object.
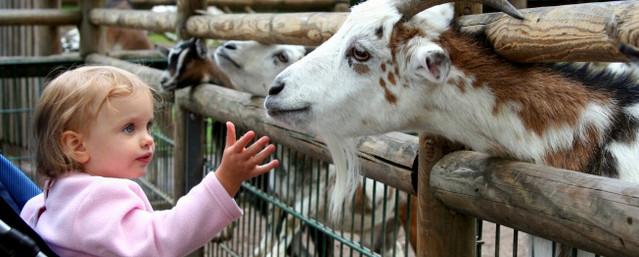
(262, 155)
(230, 134)
(257, 146)
(261, 169)
(244, 140)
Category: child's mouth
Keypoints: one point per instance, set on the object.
(145, 158)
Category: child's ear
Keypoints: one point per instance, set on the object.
(73, 146)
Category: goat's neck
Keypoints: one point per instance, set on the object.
(526, 112)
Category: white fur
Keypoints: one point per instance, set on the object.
(259, 63)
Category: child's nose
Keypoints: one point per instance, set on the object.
(147, 140)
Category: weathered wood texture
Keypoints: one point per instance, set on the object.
(592, 213)
(147, 20)
(388, 158)
(39, 17)
(186, 9)
(253, 3)
(440, 231)
(48, 37)
(290, 28)
(92, 37)
(580, 32)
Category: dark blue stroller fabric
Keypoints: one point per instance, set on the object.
(15, 187)
(16, 237)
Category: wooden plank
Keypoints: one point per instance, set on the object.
(254, 4)
(580, 32)
(309, 29)
(51, 17)
(593, 213)
(147, 20)
(388, 158)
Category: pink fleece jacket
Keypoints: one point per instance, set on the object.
(86, 215)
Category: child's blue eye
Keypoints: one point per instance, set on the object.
(149, 126)
(129, 128)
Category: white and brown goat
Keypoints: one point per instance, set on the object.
(387, 70)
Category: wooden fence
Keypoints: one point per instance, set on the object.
(564, 206)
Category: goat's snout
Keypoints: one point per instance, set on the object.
(277, 87)
(230, 46)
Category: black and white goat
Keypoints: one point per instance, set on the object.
(247, 66)
(386, 69)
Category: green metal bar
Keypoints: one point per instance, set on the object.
(228, 250)
(162, 137)
(310, 222)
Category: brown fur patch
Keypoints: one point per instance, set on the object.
(391, 79)
(547, 99)
(390, 97)
(578, 156)
(460, 85)
(408, 216)
(361, 68)
(400, 35)
(360, 200)
(383, 67)
(196, 69)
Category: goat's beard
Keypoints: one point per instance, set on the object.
(347, 177)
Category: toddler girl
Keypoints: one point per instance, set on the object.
(92, 133)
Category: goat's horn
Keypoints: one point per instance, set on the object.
(408, 9)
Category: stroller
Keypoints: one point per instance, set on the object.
(16, 237)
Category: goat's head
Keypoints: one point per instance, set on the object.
(188, 64)
(367, 78)
(252, 66)
(366, 75)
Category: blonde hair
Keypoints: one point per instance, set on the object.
(71, 102)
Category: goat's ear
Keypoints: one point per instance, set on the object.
(200, 47)
(431, 63)
(163, 50)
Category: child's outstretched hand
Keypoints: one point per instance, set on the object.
(241, 162)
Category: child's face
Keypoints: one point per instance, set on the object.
(120, 142)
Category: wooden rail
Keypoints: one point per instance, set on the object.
(579, 32)
(254, 4)
(593, 213)
(52, 17)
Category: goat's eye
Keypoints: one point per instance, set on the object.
(359, 54)
(282, 57)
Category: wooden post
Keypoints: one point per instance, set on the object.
(92, 37)
(189, 127)
(48, 42)
(441, 232)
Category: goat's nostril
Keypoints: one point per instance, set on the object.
(276, 89)
(230, 46)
